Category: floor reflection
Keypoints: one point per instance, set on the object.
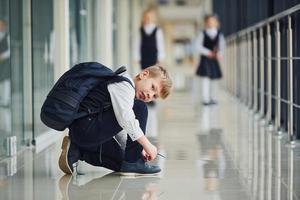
(109, 186)
(226, 152)
(221, 178)
(212, 156)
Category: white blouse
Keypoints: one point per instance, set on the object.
(212, 34)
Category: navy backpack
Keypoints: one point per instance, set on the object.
(61, 106)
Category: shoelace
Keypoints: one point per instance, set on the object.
(161, 155)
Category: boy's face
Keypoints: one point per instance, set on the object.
(147, 88)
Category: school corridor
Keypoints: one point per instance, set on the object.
(220, 152)
(243, 143)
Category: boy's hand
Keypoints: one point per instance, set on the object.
(145, 156)
(149, 152)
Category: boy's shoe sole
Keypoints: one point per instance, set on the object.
(63, 158)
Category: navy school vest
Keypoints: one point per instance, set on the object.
(211, 43)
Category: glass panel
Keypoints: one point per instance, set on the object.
(11, 65)
(43, 58)
(74, 24)
(17, 63)
(82, 30)
(5, 77)
(116, 16)
(78, 31)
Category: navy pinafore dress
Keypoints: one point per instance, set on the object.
(209, 67)
(148, 49)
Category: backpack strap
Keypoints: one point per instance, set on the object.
(120, 70)
(106, 105)
(119, 78)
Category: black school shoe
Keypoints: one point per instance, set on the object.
(213, 102)
(70, 154)
(140, 167)
(210, 103)
(206, 103)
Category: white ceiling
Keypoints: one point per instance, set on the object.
(180, 2)
(191, 10)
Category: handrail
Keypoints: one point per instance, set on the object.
(253, 41)
(266, 21)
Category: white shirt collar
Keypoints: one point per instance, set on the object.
(149, 28)
(211, 32)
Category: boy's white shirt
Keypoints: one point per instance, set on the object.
(122, 96)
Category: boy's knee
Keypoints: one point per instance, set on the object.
(141, 113)
(140, 108)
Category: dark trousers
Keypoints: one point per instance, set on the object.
(111, 153)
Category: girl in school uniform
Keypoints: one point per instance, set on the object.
(210, 44)
(149, 48)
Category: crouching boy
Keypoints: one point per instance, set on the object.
(115, 137)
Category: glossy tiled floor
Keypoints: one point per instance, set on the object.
(217, 152)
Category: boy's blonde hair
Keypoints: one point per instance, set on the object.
(157, 71)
